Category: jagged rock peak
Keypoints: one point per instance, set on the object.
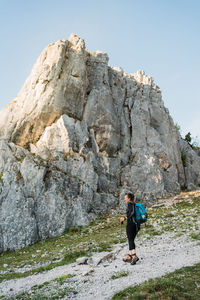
(77, 41)
(62, 77)
(77, 137)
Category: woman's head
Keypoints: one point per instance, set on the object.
(129, 197)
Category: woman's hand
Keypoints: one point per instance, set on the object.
(122, 220)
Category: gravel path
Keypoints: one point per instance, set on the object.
(158, 256)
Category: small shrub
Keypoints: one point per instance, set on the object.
(188, 138)
(73, 230)
(72, 256)
(195, 236)
(63, 278)
(91, 271)
(184, 158)
(20, 159)
(119, 275)
(178, 127)
(19, 176)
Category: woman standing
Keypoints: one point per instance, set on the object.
(132, 228)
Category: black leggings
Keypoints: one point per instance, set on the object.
(131, 232)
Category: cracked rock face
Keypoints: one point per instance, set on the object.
(76, 138)
(56, 85)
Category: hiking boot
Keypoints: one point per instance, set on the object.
(134, 259)
(128, 258)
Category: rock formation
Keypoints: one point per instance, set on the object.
(77, 137)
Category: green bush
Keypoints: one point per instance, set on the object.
(178, 127)
(184, 158)
(188, 138)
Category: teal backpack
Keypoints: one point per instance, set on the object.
(141, 213)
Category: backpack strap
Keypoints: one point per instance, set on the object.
(133, 214)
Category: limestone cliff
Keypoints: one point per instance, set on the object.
(77, 137)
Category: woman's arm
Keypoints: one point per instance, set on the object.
(128, 213)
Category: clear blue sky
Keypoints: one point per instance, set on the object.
(160, 37)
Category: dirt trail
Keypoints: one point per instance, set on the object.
(158, 256)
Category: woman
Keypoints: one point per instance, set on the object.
(132, 228)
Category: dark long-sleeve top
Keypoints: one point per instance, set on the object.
(130, 211)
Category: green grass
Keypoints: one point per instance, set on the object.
(1, 179)
(54, 289)
(184, 158)
(91, 271)
(179, 285)
(68, 258)
(119, 275)
(100, 235)
(63, 278)
(195, 236)
(181, 217)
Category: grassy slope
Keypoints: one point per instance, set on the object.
(98, 236)
(180, 218)
(179, 285)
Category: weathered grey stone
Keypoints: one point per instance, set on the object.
(90, 133)
(101, 257)
(96, 259)
(82, 260)
(192, 165)
(65, 136)
(56, 85)
(108, 257)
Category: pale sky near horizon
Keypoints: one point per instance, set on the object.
(159, 37)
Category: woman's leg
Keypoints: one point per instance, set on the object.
(131, 234)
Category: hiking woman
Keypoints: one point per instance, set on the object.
(132, 228)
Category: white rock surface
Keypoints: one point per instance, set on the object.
(82, 260)
(158, 256)
(77, 137)
(56, 85)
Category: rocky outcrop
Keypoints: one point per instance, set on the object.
(191, 159)
(57, 85)
(77, 137)
(42, 198)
